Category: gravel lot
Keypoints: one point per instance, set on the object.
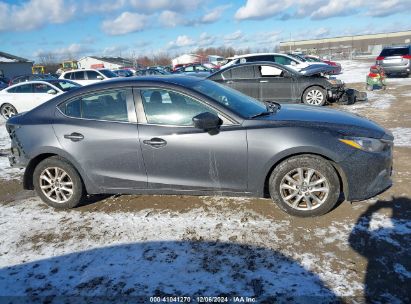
(119, 248)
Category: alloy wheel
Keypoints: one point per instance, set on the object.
(314, 97)
(8, 111)
(56, 184)
(304, 189)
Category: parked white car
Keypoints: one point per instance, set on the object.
(288, 61)
(88, 76)
(25, 96)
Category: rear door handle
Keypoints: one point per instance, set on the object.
(155, 142)
(230, 81)
(74, 136)
(263, 81)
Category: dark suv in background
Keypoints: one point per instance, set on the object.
(396, 60)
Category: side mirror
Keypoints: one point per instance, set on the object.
(52, 92)
(286, 74)
(207, 121)
(99, 77)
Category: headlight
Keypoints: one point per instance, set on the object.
(366, 144)
(335, 81)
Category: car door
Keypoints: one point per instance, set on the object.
(179, 156)
(276, 84)
(243, 79)
(79, 77)
(93, 76)
(41, 92)
(99, 131)
(22, 97)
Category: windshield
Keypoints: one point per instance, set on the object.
(65, 85)
(237, 102)
(108, 73)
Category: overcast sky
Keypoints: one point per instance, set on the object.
(144, 27)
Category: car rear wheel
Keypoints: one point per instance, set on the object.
(7, 110)
(315, 96)
(305, 186)
(58, 183)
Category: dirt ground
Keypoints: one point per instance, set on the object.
(359, 252)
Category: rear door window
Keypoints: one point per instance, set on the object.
(25, 88)
(245, 72)
(78, 75)
(107, 105)
(92, 75)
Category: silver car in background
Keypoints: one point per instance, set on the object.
(395, 60)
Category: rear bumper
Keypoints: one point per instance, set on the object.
(402, 69)
(16, 159)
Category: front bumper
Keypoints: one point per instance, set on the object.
(346, 96)
(367, 174)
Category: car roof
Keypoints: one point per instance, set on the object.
(82, 70)
(255, 54)
(43, 81)
(397, 46)
(179, 80)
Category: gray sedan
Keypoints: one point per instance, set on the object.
(174, 135)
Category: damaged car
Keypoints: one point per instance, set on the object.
(267, 81)
(186, 135)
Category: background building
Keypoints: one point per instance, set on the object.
(348, 46)
(111, 63)
(11, 66)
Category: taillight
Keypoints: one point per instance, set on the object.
(380, 58)
(407, 56)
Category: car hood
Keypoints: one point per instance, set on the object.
(316, 69)
(344, 123)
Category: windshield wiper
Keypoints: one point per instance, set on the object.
(265, 113)
(272, 107)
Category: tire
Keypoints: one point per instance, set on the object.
(315, 96)
(66, 180)
(282, 190)
(7, 110)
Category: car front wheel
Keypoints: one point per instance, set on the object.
(7, 110)
(305, 186)
(315, 96)
(58, 183)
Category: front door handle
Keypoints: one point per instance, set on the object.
(263, 81)
(155, 142)
(74, 136)
(229, 81)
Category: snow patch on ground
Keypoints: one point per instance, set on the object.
(354, 71)
(402, 136)
(376, 100)
(95, 253)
